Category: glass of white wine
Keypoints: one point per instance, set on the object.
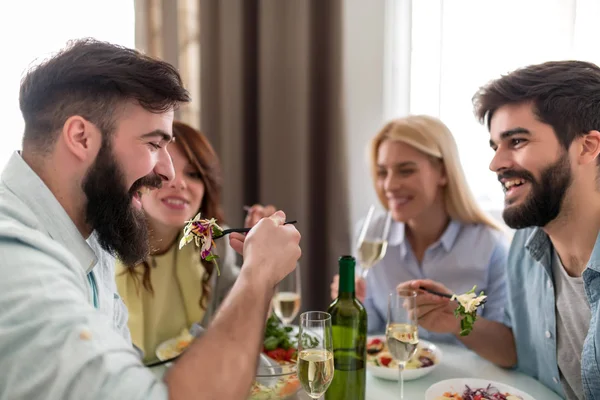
(286, 301)
(315, 353)
(372, 240)
(402, 329)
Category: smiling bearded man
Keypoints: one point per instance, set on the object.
(543, 204)
(120, 225)
(544, 124)
(98, 122)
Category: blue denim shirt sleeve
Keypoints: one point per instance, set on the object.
(590, 357)
(531, 306)
(495, 306)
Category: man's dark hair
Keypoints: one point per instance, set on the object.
(564, 95)
(93, 79)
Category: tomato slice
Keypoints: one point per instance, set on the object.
(385, 361)
(291, 352)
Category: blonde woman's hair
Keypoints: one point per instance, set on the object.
(433, 138)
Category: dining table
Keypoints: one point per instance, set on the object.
(456, 362)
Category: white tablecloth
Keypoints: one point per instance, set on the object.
(457, 362)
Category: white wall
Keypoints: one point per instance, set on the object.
(364, 22)
(32, 30)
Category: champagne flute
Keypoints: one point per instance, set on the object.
(286, 300)
(315, 353)
(402, 329)
(372, 241)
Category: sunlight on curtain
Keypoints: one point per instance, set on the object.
(457, 46)
(32, 30)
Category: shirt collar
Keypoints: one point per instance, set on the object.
(450, 234)
(538, 245)
(447, 240)
(54, 220)
(594, 262)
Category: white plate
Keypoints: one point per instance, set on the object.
(408, 374)
(436, 390)
(166, 350)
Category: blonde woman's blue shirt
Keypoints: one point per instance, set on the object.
(464, 256)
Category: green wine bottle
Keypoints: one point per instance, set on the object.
(349, 331)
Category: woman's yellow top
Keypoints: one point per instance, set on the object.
(176, 278)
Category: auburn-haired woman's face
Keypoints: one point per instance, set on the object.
(177, 201)
(409, 179)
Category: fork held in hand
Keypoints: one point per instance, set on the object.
(242, 230)
(446, 295)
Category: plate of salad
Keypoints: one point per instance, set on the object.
(474, 389)
(381, 363)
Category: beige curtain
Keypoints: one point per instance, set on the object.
(271, 102)
(168, 29)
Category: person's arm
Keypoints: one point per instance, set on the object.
(490, 328)
(492, 340)
(496, 292)
(206, 370)
(235, 334)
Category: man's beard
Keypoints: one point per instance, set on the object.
(545, 199)
(120, 227)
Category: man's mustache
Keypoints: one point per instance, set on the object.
(522, 174)
(150, 181)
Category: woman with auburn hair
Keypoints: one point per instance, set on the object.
(438, 231)
(173, 288)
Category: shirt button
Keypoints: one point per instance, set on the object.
(555, 379)
(549, 284)
(85, 334)
(548, 335)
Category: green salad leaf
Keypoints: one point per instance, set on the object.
(279, 336)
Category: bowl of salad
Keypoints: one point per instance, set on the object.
(276, 377)
(276, 373)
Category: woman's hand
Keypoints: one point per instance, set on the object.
(258, 212)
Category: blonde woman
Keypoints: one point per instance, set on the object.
(438, 231)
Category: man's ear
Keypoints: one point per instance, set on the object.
(82, 138)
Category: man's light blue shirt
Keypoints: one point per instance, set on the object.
(464, 256)
(531, 311)
(54, 342)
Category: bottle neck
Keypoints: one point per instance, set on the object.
(346, 286)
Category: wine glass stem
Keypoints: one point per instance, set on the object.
(364, 273)
(401, 379)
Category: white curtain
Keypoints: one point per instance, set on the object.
(32, 30)
(459, 45)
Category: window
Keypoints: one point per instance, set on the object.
(32, 30)
(459, 45)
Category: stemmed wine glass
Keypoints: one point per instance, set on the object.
(372, 241)
(286, 301)
(402, 329)
(315, 353)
